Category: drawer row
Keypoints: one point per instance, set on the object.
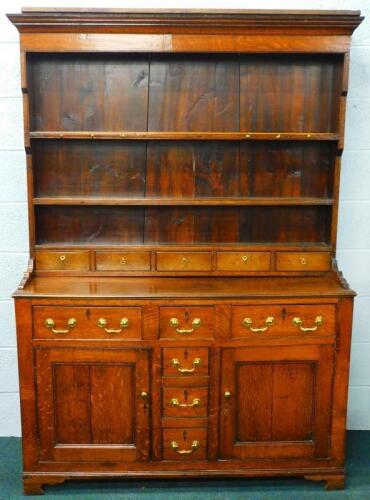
(183, 323)
(138, 261)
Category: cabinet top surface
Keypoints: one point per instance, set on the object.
(189, 288)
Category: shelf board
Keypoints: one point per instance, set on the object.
(181, 247)
(209, 136)
(181, 201)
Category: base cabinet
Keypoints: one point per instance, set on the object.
(195, 388)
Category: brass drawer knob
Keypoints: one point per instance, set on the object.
(176, 363)
(304, 261)
(62, 258)
(194, 446)
(144, 395)
(174, 322)
(247, 322)
(319, 321)
(184, 260)
(227, 394)
(194, 404)
(102, 323)
(50, 323)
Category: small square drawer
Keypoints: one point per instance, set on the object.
(243, 261)
(69, 260)
(290, 320)
(60, 322)
(187, 322)
(183, 361)
(122, 261)
(303, 261)
(184, 261)
(185, 401)
(185, 444)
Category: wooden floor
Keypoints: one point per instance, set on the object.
(358, 482)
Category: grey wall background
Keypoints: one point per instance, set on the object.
(354, 215)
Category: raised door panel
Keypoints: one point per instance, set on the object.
(276, 402)
(90, 404)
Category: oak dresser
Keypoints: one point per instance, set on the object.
(182, 314)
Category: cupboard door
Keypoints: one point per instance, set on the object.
(91, 406)
(276, 402)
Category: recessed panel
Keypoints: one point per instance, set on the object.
(66, 168)
(289, 93)
(88, 92)
(89, 225)
(194, 93)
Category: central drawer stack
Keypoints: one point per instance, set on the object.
(185, 380)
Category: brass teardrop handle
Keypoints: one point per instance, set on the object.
(176, 363)
(176, 402)
(102, 323)
(194, 446)
(319, 321)
(50, 323)
(247, 322)
(174, 322)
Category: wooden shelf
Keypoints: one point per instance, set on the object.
(181, 247)
(181, 201)
(209, 136)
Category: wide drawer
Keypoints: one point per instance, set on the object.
(87, 323)
(74, 260)
(243, 261)
(183, 361)
(184, 261)
(302, 261)
(122, 261)
(186, 322)
(184, 444)
(185, 401)
(290, 320)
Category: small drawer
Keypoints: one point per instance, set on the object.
(122, 261)
(303, 261)
(184, 261)
(184, 361)
(60, 322)
(290, 320)
(187, 322)
(74, 260)
(185, 444)
(318, 319)
(243, 261)
(87, 323)
(185, 401)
